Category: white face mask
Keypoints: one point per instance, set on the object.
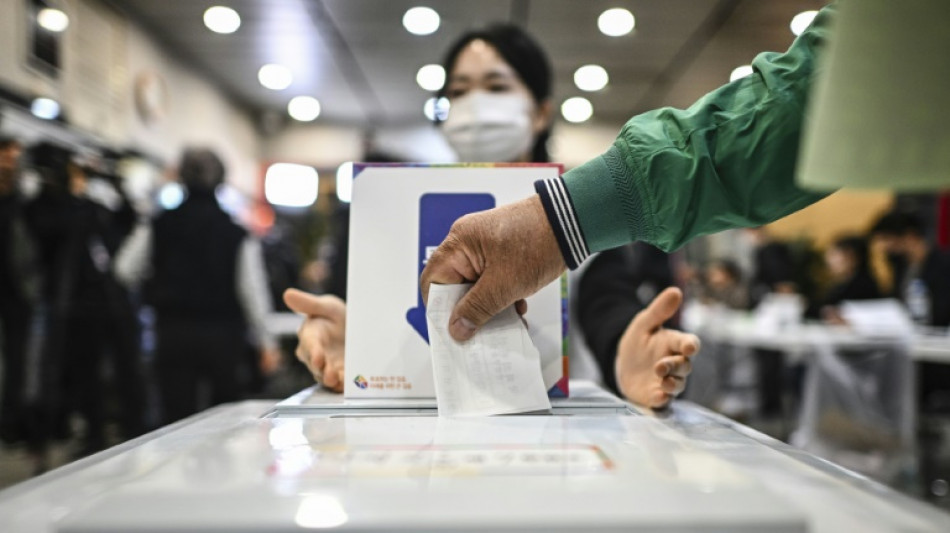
(489, 128)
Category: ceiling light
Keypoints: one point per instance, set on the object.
(291, 185)
(304, 108)
(52, 19)
(45, 108)
(220, 19)
(591, 78)
(344, 182)
(421, 21)
(431, 77)
(275, 77)
(801, 21)
(616, 22)
(577, 109)
(436, 108)
(740, 72)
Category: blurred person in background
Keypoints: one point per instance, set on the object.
(921, 270)
(205, 277)
(773, 266)
(499, 84)
(17, 292)
(723, 283)
(922, 282)
(851, 277)
(79, 220)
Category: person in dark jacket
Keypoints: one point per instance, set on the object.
(205, 278)
(847, 260)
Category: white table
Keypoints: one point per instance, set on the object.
(597, 464)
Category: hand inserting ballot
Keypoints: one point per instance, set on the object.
(508, 252)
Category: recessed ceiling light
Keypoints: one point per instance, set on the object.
(304, 108)
(221, 19)
(291, 185)
(344, 182)
(577, 109)
(616, 22)
(740, 72)
(591, 78)
(801, 21)
(421, 20)
(431, 77)
(275, 77)
(52, 19)
(436, 108)
(45, 108)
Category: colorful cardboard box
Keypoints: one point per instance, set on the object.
(399, 215)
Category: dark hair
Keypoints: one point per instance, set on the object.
(525, 56)
(897, 224)
(730, 267)
(52, 162)
(201, 170)
(856, 246)
(7, 141)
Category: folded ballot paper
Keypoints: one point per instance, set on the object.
(496, 372)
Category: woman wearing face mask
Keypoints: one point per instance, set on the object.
(499, 86)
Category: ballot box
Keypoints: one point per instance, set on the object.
(399, 215)
(320, 461)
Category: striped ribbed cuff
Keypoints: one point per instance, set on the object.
(560, 211)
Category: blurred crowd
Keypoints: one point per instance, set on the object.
(118, 316)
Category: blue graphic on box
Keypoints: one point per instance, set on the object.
(437, 213)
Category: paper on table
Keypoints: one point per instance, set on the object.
(498, 371)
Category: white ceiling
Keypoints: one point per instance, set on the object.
(359, 61)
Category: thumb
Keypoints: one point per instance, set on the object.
(310, 304)
(661, 309)
(477, 307)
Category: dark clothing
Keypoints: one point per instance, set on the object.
(15, 313)
(88, 315)
(773, 265)
(194, 262)
(861, 286)
(200, 325)
(616, 286)
(935, 273)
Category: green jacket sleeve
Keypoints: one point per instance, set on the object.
(728, 161)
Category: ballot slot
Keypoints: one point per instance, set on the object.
(357, 412)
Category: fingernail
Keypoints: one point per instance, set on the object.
(462, 329)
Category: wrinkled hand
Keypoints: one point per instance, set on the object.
(321, 337)
(653, 362)
(270, 360)
(510, 252)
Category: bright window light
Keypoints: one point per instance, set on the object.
(421, 21)
(52, 19)
(275, 77)
(290, 185)
(740, 72)
(171, 195)
(436, 108)
(344, 182)
(577, 109)
(616, 22)
(591, 78)
(45, 108)
(320, 511)
(304, 108)
(801, 21)
(431, 77)
(220, 19)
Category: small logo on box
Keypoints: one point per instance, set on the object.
(361, 381)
